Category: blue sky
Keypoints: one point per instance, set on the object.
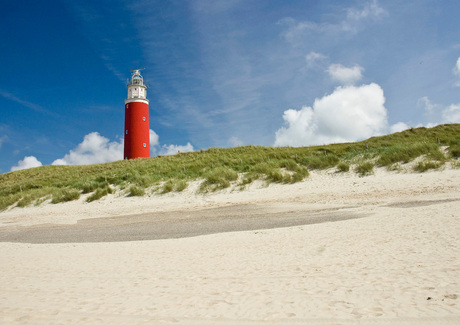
(221, 73)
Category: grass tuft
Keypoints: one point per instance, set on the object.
(343, 167)
(423, 166)
(365, 168)
(65, 195)
(99, 193)
(136, 191)
(454, 151)
(218, 178)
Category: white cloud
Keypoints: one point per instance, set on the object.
(344, 75)
(451, 114)
(235, 142)
(457, 68)
(173, 149)
(398, 127)
(439, 114)
(428, 105)
(166, 150)
(94, 149)
(154, 138)
(457, 71)
(348, 114)
(27, 162)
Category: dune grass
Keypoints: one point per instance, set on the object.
(365, 168)
(219, 168)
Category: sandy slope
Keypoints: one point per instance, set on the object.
(397, 264)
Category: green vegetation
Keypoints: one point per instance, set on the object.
(365, 168)
(455, 151)
(65, 195)
(135, 190)
(218, 178)
(100, 192)
(423, 166)
(218, 169)
(343, 167)
(407, 152)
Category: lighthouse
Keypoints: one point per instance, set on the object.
(137, 143)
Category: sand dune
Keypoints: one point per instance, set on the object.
(382, 249)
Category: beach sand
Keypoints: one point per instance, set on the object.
(334, 249)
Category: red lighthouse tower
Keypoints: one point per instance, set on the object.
(137, 143)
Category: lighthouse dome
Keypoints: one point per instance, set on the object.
(137, 79)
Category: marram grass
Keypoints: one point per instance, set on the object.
(220, 168)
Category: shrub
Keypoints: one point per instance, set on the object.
(92, 186)
(41, 200)
(25, 201)
(299, 176)
(365, 168)
(167, 187)
(289, 164)
(406, 153)
(6, 201)
(320, 161)
(136, 191)
(65, 195)
(180, 186)
(423, 166)
(247, 179)
(343, 167)
(455, 151)
(99, 193)
(436, 154)
(220, 177)
(262, 168)
(276, 176)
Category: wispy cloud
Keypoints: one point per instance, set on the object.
(354, 20)
(355, 17)
(3, 138)
(219, 57)
(439, 114)
(25, 103)
(108, 62)
(313, 58)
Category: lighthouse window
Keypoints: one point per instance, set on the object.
(126, 131)
(143, 118)
(145, 145)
